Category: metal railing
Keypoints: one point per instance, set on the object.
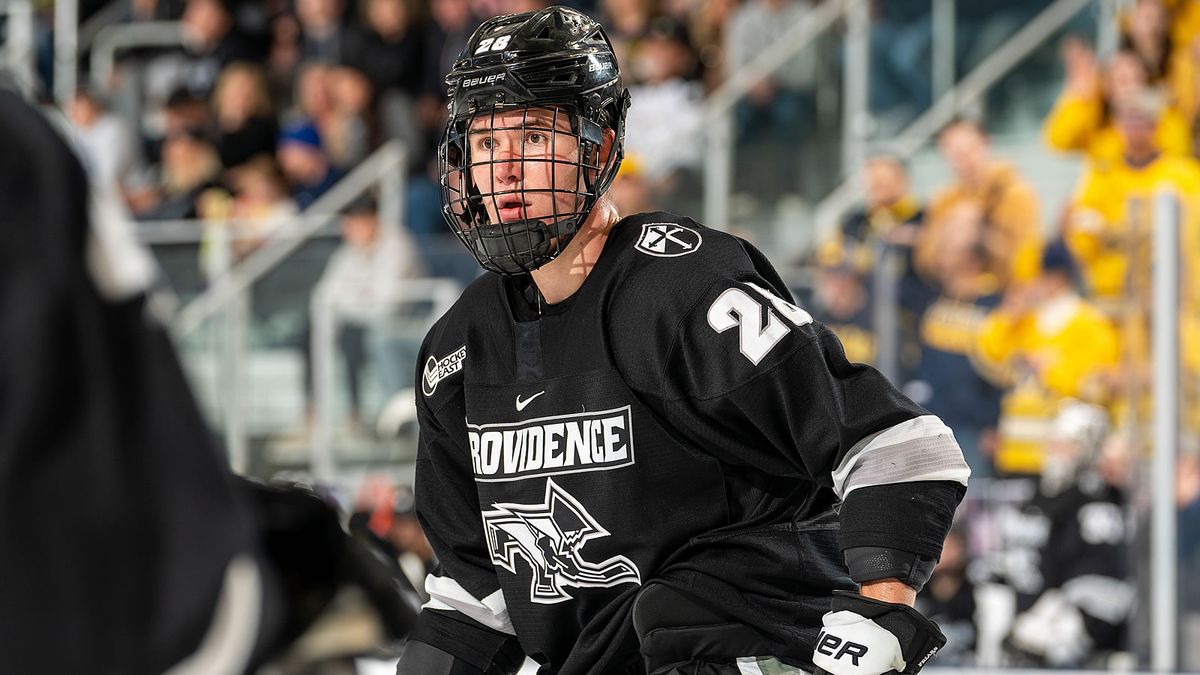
(66, 49)
(856, 117)
(102, 18)
(944, 17)
(19, 56)
(856, 111)
(439, 294)
(227, 298)
(1164, 610)
(102, 36)
(112, 39)
(165, 232)
(956, 101)
(386, 167)
(1108, 31)
(716, 117)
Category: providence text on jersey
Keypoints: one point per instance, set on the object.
(547, 446)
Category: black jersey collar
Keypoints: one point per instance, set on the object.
(525, 301)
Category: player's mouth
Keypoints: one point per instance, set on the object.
(512, 210)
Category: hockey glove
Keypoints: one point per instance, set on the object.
(1051, 631)
(862, 636)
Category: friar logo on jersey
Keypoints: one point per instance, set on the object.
(668, 240)
(437, 370)
(550, 537)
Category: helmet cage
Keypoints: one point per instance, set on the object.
(522, 245)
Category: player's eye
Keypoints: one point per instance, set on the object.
(485, 143)
(536, 138)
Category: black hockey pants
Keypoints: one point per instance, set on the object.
(680, 637)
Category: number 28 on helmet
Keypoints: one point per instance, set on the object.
(535, 135)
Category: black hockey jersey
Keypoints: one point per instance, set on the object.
(676, 420)
(1086, 556)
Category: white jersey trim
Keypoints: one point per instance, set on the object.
(446, 594)
(922, 448)
(229, 642)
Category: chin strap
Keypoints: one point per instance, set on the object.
(522, 246)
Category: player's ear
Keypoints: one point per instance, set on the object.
(606, 147)
(607, 142)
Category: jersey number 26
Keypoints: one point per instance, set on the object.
(736, 307)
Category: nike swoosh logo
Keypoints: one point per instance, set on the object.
(521, 404)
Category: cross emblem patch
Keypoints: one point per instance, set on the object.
(668, 240)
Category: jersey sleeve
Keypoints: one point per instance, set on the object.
(466, 616)
(751, 379)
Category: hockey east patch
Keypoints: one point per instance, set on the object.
(437, 370)
(550, 536)
(547, 446)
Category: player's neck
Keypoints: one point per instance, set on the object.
(558, 279)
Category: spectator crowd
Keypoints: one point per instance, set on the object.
(296, 94)
(1031, 339)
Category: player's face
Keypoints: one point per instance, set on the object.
(524, 164)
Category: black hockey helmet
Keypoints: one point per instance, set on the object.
(558, 64)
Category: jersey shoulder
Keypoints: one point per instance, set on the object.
(666, 262)
(673, 312)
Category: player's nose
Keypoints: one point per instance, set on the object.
(506, 166)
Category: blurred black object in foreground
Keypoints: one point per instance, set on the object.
(126, 546)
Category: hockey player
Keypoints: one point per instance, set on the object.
(1078, 614)
(637, 455)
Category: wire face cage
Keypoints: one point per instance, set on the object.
(518, 181)
(534, 136)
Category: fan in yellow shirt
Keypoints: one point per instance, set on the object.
(1163, 35)
(1082, 119)
(1108, 229)
(1053, 345)
(1009, 204)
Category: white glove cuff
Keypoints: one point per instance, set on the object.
(851, 644)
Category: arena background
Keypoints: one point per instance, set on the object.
(915, 167)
